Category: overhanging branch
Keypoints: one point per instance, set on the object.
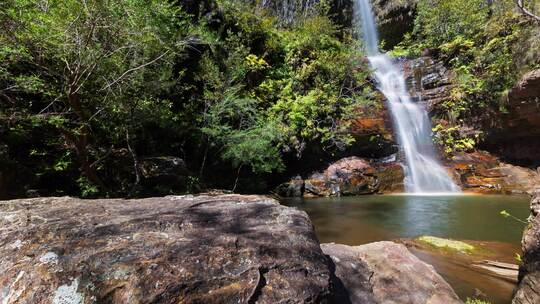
(527, 12)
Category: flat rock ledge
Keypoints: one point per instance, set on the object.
(190, 249)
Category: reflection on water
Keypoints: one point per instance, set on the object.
(360, 220)
(365, 219)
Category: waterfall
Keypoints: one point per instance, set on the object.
(424, 173)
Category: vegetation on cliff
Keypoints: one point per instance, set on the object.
(88, 88)
(488, 44)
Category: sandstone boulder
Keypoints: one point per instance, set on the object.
(178, 249)
(385, 272)
(346, 177)
(293, 188)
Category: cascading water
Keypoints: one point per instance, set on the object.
(424, 174)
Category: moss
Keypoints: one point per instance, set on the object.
(476, 301)
(446, 244)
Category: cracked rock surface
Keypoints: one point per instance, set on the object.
(182, 249)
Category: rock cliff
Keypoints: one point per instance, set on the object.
(517, 137)
(528, 291)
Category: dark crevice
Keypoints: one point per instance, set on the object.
(257, 291)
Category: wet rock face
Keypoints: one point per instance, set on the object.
(371, 128)
(348, 176)
(529, 272)
(518, 136)
(205, 249)
(428, 80)
(394, 19)
(385, 272)
(289, 11)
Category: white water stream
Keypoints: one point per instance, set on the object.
(424, 173)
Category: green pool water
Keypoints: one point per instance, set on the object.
(365, 219)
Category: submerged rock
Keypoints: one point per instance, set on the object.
(477, 271)
(178, 249)
(386, 272)
(528, 291)
(446, 243)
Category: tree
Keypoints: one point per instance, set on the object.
(86, 63)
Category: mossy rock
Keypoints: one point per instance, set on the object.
(446, 244)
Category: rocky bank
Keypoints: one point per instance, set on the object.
(194, 249)
(528, 291)
(346, 177)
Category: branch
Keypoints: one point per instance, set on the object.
(135, 164)
(526, 11)
(134, 69)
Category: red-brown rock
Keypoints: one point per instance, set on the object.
(349, 176)
(517, 137)
(481, 172)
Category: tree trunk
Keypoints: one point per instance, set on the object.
(237, 177)
(80, 142)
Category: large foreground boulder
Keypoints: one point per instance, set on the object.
(386, 272)
(528, 291)
(184, 249)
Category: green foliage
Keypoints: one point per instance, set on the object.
(294, 86)
(488, 47)
(257, 147)
(506, 214)
(452, 141)
(87, 189)
(476, 301)
(441, 21)
(89, 86)
(518, 258)
(314, 91)
(81, 74)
